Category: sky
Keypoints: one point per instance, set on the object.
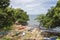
(33, 7)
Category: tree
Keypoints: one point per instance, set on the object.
(58, 3)
(6, 18)
(8, 15)
(52, 18)
(4, 3)
(44, 20)
(21, 16)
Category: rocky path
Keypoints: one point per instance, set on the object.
(24, 33)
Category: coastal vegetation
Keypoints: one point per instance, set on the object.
(9, 15)
(52, 18)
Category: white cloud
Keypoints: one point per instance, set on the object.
(26, 1)
(32, 5)
(22, 1)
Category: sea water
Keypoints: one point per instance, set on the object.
(32, 22)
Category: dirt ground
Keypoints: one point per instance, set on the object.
(24, 33)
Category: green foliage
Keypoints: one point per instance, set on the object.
(58, 3)
(21, 16)
(44, 20)
(6, 18)
(58, 38)
(52, 18)
(6, 38)
(4, 3)
(8, 15)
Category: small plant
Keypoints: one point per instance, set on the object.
(6, 38)
(58, 38)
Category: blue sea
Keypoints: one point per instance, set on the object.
(32, 22)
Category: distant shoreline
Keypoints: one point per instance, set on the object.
(32, 22)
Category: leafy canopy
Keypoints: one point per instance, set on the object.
(52, 18)
(8, 15)
(4, 3)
